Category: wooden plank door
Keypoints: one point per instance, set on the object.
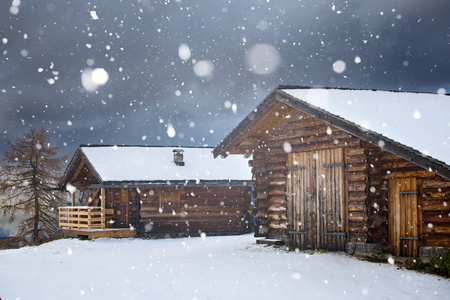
(315, 196)
(301, 215)
(403, 217)
(118, 200)
(124, 210)
(330, 200)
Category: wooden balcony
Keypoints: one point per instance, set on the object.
(89, 221)
(82, 217)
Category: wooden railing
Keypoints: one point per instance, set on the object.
(80, 217)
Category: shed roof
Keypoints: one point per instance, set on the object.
(151, 164)
(415, 126)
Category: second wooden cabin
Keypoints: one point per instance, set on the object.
(156, 191)
(338, 167)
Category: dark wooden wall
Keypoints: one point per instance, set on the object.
(213, 210)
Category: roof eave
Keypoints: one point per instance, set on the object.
(172, 183)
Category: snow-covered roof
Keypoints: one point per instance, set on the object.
(141, 163)
(417, 120)
(414, 126)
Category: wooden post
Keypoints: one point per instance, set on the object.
(103, 204)
(89, 219)
(73, 198)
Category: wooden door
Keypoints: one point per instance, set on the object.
(315, 195)
(124, 209)
(301, 210)
(118, 200)
(403, 217)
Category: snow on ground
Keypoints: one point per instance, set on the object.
(232, 267)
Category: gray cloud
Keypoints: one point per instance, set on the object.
(401, 45)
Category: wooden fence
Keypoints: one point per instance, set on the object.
(80, 217)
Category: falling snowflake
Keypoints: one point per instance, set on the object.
(339, 66)
(93, 15)
(204, 68)
(263, 59)
(184, 52)
(170, 130)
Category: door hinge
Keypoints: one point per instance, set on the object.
(295, 168)
(296, 232)
(344, 234)
(342, 164)
(408, 192)
(409, 238)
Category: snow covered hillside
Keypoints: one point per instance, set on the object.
(231, 267)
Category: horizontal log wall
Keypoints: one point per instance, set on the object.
(269, 170)
(214, 211)
(357, 179)
(435, 203)
(393, 166)
(276, 194)
(377, 197)
(258, 164)
(433, 199)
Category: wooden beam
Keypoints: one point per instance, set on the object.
(93, 234)
(103, 205)
(103, 198)
(72, 195)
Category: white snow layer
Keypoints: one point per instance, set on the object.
(156, 163)
(418, 120)
(232, 267)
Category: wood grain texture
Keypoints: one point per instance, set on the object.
(316, 210)
(217, 210)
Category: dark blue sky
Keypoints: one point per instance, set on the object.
(239, 51)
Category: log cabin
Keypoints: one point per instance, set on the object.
(342, 169)
(124, 191)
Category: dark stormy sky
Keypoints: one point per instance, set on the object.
(186, 72)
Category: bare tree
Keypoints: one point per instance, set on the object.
(30, 170)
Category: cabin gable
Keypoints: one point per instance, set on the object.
(82, 175)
